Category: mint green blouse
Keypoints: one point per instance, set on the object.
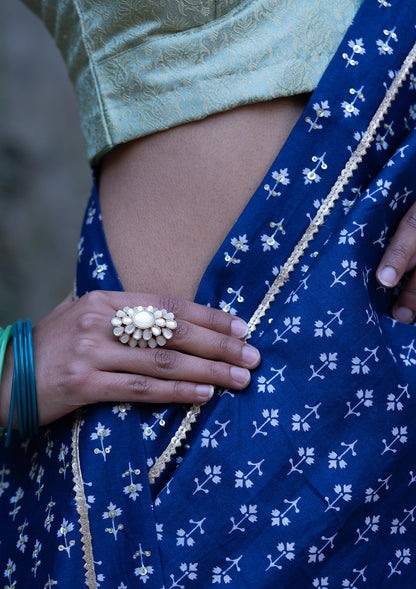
(140, 66)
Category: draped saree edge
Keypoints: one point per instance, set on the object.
(81, 506)
(317, 222)
(335, 192)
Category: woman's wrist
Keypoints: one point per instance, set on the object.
(17, 381)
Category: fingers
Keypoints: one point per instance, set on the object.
(170, 364)
(89, 365)
(201, 315)
(400, 257)
(139, 388)
(189, 338)
(206, 343)
(194, 354)
(202, 354)
(404, 309)
(207, 353)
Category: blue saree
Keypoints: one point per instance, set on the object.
(307, 479)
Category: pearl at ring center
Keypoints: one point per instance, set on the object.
(143, 319)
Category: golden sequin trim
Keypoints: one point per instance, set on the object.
(176, 442)
(324, 210)
(342, 180)
(82, 508)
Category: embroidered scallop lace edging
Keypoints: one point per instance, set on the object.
(337, 189)
(81, 505)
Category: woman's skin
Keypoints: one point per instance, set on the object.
(168, 201)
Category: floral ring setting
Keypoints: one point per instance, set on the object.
(145, 327)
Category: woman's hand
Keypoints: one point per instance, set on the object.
(78, 361)
(400, 257)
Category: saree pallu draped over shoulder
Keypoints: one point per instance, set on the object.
(307, 479)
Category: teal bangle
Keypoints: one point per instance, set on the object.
(19, 371)
(24, 384)
(33, 404)
(11, 414)
(24, 379)
(15, 387)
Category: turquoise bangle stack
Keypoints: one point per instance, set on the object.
(23, 395)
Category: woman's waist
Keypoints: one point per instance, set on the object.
(169, 200)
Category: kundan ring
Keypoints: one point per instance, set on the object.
(146, 327)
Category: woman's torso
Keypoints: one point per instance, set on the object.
(168, 200)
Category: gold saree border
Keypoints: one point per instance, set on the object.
(329, 203)
(81, 505)
(176, 442)
(300, 248)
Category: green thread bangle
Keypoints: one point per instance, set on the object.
(5, 336)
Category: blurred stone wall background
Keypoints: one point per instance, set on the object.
(44, 174)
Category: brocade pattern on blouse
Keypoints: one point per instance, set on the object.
(143, 66)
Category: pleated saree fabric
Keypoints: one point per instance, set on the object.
(307, 479)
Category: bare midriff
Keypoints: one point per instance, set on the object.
(168, 200)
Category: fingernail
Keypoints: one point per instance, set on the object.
(204, 391)
(250, 355)
(388, 276)
(240, 375)
(239, 328)
(403, 314)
